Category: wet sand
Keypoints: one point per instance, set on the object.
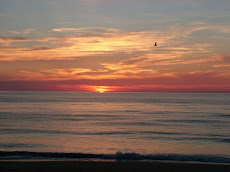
(112, 166)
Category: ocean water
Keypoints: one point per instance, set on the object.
(151, 125)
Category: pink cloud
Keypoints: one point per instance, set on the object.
(194, 82)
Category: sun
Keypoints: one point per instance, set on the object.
(101, 89)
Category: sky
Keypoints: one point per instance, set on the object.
(108, 45)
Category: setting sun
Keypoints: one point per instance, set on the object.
(101, 89)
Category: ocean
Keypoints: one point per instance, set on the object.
(152, 126)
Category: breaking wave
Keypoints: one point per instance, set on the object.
(18, 155)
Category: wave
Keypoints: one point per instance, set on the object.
(12, 155)
(191, 121)
(155, 135)
(19, 145)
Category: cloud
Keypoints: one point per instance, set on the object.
(98, 40)
(80, 73)
(40, 48)
(224, 62)
(53, 74)
(221, 65)
(158, 60)
(13, 39)
(21, 32)
(113, 72)
(64, 29)
(197, 81)
(120, 60)
(87, 30)
(226, 59)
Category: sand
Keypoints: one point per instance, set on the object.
(110, 166)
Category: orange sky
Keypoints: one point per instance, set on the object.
(110, 52)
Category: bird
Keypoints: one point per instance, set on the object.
(155, 44)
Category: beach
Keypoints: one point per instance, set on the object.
(84, 166)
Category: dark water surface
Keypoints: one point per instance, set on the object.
(94, 123)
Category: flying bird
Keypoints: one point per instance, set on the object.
(155, 44)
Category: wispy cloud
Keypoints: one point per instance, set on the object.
(88, 41)
(54, 74)
(221, 65)
(131, 55)
(88, 30)
(197, 81)
(21, 32)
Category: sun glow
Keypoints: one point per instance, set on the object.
(101, 89)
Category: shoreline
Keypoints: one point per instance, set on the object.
(95, 165)
(113, 160)
(119, 156)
